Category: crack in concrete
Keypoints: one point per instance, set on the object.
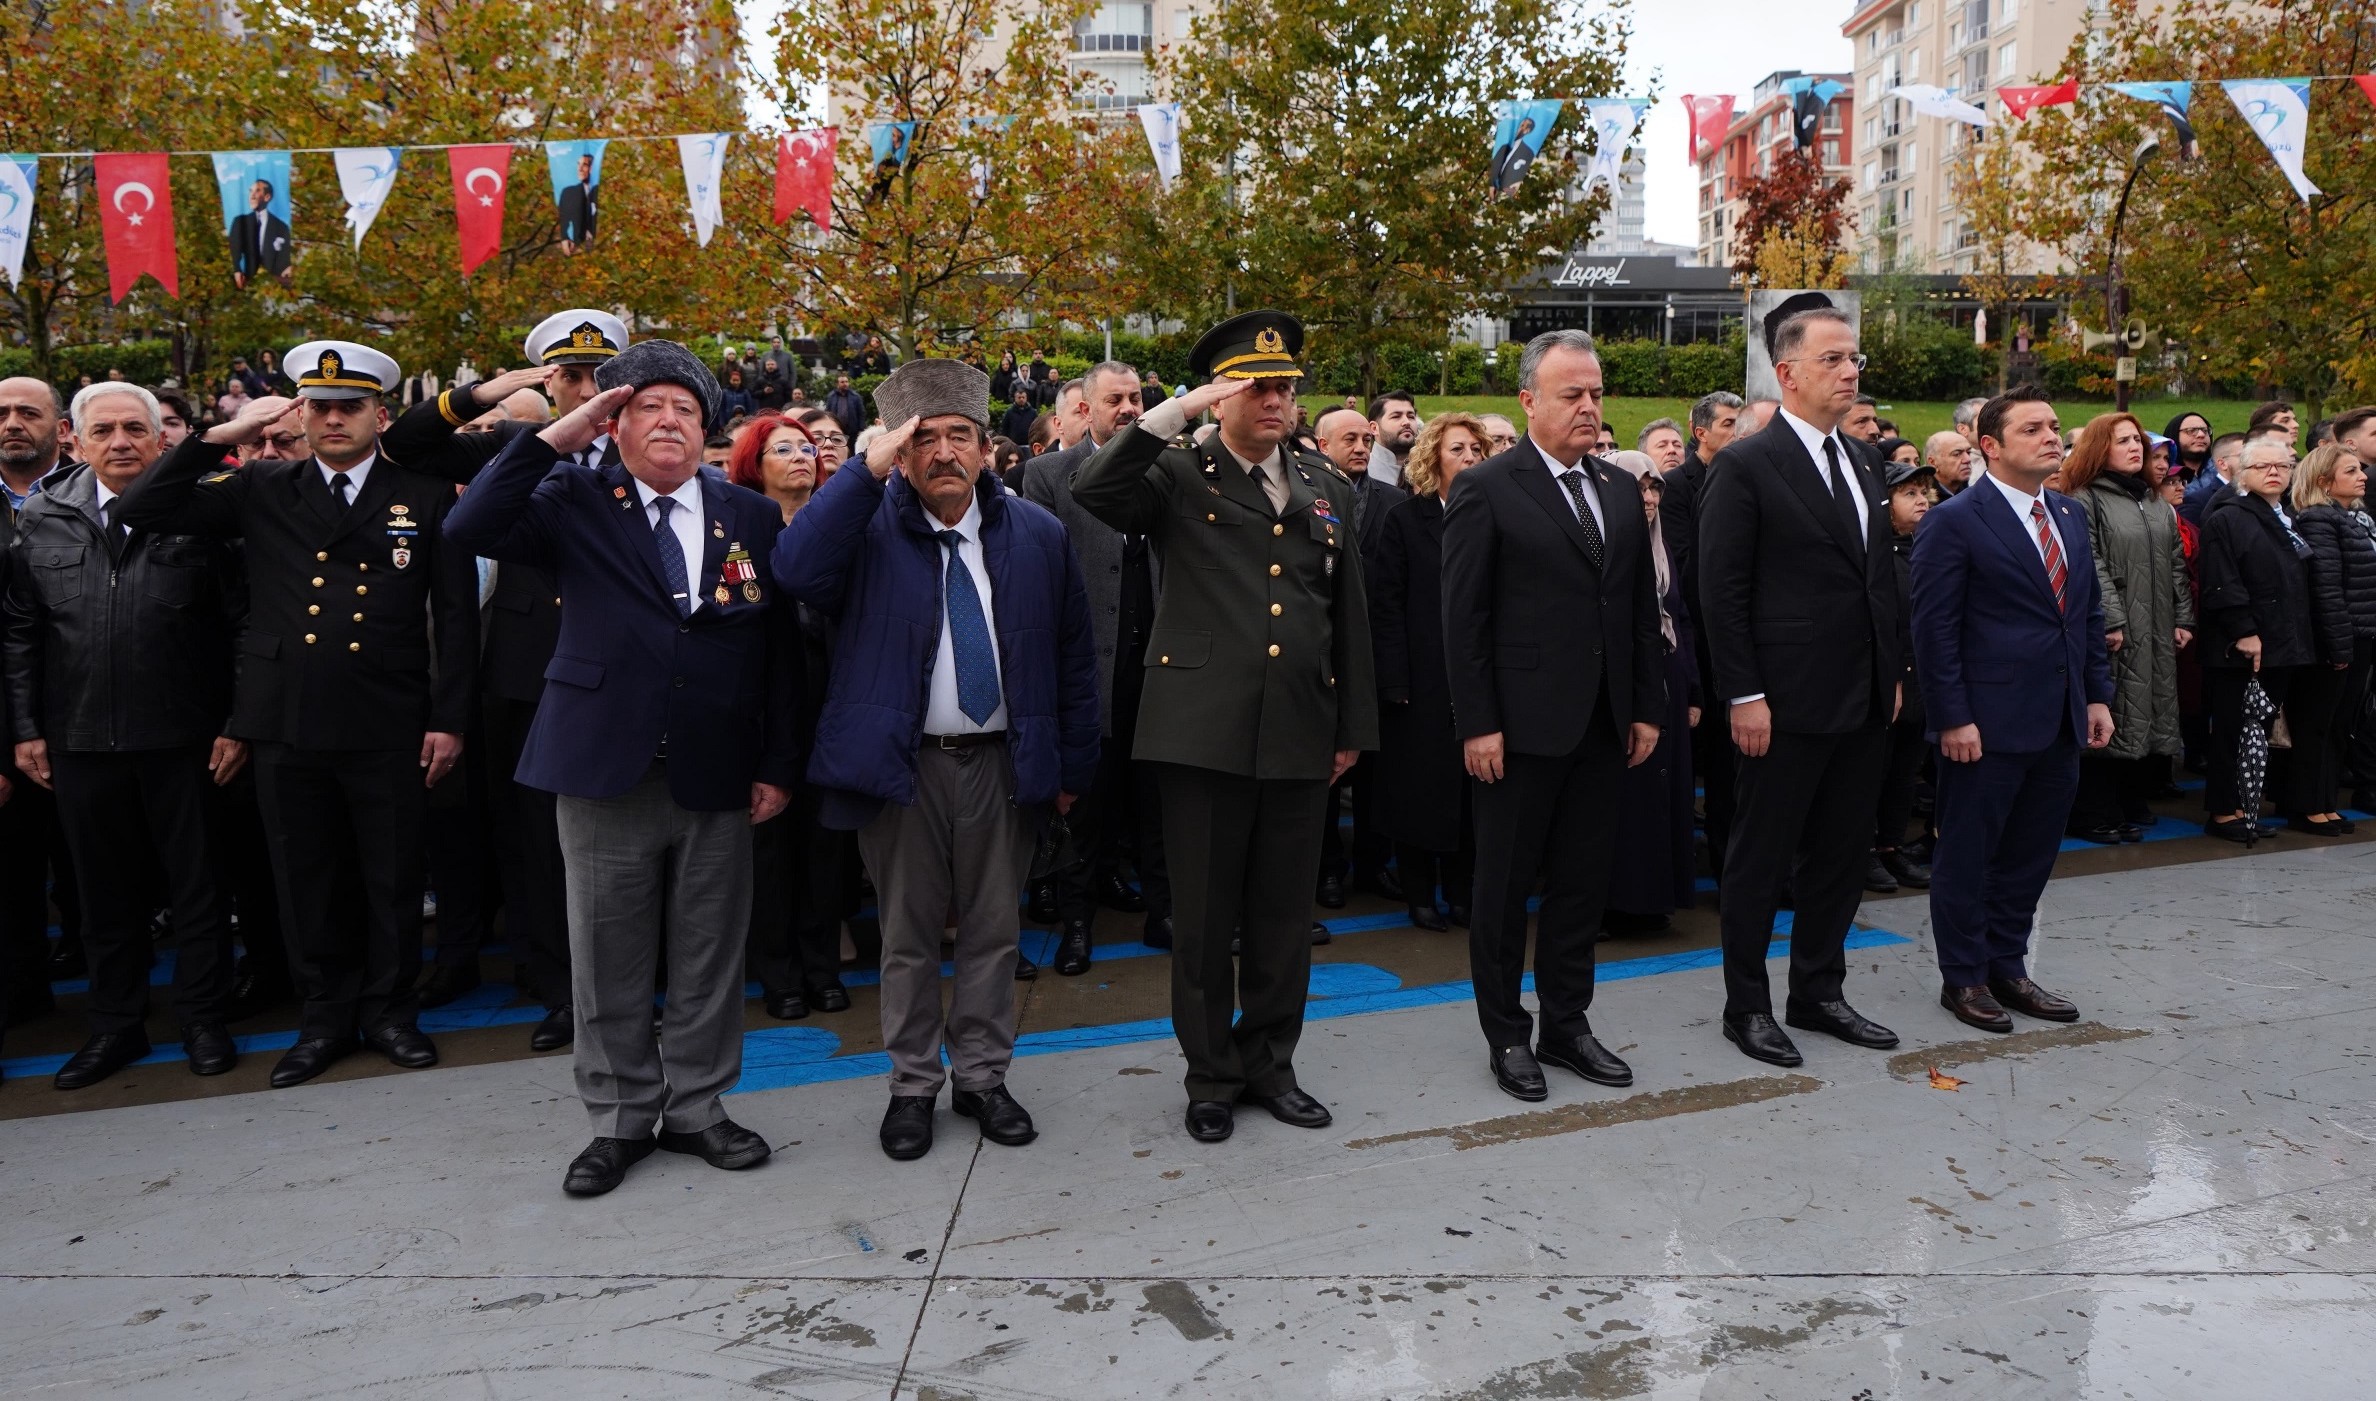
(1596, 1114)
(2020, 1043)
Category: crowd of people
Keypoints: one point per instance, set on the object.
(673, 668)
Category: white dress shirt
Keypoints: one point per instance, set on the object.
(1600, 518)
(592, 453)
(1813, 437)
(355, 476)
(2021, 502)
(942, 714)
(99, 489)
(684, 521)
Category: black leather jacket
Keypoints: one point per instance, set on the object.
(115, 646)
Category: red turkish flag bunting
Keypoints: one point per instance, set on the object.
(2023, 101)
(1711, 118)
(136, 220)
(804, 175)
(2367, 84)
(480, 174)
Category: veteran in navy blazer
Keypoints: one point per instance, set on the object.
(668, 728)
(2009, 645)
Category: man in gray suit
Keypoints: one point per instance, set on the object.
(1121, 574)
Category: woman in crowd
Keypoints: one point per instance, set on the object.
(1422, 803)
(1006, 458)
(1899, 451)
(2330, 497)
(2255, 621)
(1652, 870)
(2149, 616)
(1912, 489)
(797, 863)
(1002, 379)
(735, 401)
(833, 445)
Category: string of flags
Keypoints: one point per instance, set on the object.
(136, 191)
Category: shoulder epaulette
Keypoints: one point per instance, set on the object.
(218, 477)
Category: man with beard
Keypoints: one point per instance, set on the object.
(1394, 417)
(2190, 445)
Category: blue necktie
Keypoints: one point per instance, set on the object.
(969, 639)
(672, 556)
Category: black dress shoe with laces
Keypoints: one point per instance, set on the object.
(1515, 1070)
(1210, 1120)
(1761, 1039)
(404, 1046)
(1330, 895)
(828, 995)
(309, 1058)
(1586, 1057)
(1878, 879)
(209, 1047)
(2106, 835)
(1043, 908)
(724, 1144)
(1157, 933)
(1382, 880)
(1002, 1120)
(447, 982)
(1293, 1107)
(603, 1165)
(1429, 918)
(1907, 871)
(1116, 893)
(1320, 935)
(2030, 1000)
(1975, 1007)
(255, 993)
(66, 959)
(1025, 969)
(1459, 915)
(785, 1005)
(101, 1056)
(558, 1029)
(1837, 1018)
(1072, 949)
(907, 1127)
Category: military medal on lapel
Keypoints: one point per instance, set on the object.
(739, 570)
(402, 530)
(720, 595)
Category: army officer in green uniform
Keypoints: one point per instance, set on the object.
(1259, 693)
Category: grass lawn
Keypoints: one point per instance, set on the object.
(1914, 420)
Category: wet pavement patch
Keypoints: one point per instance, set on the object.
(1599, 1114)
(2021, 1043)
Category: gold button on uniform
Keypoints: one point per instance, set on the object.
(321, 554)
(1167, 661)
(354, 646)
(317, 581)
(1274, 649)
(361, 588)
(358, 617)
(364, 567)
(1274, 571)
(1278, 530)
(316, 608)
(1210, 517)
(309, 638)
(1276, 610)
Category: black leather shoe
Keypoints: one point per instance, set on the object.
(1877, 877)
(907, 1127)
(101, 1056)
(724, 1144)
(253, 994)
(1586, 1056)
(1210, 1120)
(1839, 1019)
(1157, 934)
(2234, 829)
(1294, 1107)
(66, 958)
(1116, 893)
(828, 995)
(2132, 832)
(1072, 950)
(1908, 872)
(404, 1046)
(1760, 1039)
(1002, 1120)
(209, 1047)
(558, 1029)
(1429, 918)
(2331, 827)
(1459, 915)
(1043, 908)
(1331, 892)
(1515, 1070)
(603, 1165)
(309, 1058)
(786, 1005)
(1025, 969)
(2030, 1000)
(1974, 1006)
(2108, 835)
(1320, 935)
(448, 981)
(1382, 880)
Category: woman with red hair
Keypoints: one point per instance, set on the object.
(775, 456)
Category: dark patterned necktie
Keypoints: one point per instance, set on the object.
(672, 556)
(969, 638)
(1594, 548)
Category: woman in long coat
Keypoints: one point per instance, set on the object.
(2149, 614)
(1651, 869)
(1423, 803)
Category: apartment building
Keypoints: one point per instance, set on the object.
(1905, 200)
(1762, 132)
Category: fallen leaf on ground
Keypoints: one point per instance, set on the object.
(1941, 1081)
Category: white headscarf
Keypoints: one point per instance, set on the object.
(1642, 469)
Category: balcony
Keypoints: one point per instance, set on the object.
(1115, 29)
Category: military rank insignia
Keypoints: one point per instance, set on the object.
(1321, 509)
(739, 570)
(402, 530)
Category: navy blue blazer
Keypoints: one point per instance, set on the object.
(721, 687)
(1990, 647)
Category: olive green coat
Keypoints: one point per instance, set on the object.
(2141, 569)
(1259, 661)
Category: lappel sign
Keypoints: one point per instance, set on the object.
(1592, 272)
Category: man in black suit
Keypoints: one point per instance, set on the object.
(1347, 437)
(578, 212)
(1510, 161)
(259, 240)
(1557, 669)
(1713, 421)
(1799, 605)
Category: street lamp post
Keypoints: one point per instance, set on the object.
(2112, 298)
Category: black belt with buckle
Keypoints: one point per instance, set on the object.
(963, 741)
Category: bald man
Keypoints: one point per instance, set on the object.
(1949, 454)
(521, 406)
(30, 417)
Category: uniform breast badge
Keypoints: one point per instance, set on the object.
(739, 570)
(402, 531)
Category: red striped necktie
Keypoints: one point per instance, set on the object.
(2057, 573)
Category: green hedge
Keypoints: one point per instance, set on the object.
(1923, 358)
(145, 362)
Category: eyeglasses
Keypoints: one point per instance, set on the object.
(793, 450)
(284, 441)
(839, 440)
(1829, 361)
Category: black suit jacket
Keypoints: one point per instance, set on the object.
(1372, 499)
(578, 212)
(1793, 607)
(1532, 630)
(259, 244)
(1678, 522)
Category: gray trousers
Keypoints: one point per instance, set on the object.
(964, 846)
(626, 857)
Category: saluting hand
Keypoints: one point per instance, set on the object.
(503, 386)
(253, 421)
(883, 453)
(576, 430)
(1212, 392)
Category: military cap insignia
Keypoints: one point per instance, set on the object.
(329, 365)
(1269, 342)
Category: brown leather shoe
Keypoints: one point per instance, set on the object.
(2030, 1000)
(1974, 1007)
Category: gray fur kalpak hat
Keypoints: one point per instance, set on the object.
(662, 362)
(932, 388)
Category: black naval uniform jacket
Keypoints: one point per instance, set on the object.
(1259, 661)
(362, 626)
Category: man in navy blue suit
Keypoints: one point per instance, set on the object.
(2009, 646)
(668, 728)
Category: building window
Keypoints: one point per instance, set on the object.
(1872, 174)
(2005, 60)
(1831, 116)
(1914, 15)
(1115, 28)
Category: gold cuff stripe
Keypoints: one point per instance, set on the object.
(445, 409)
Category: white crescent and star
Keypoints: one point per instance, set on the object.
(148, 200)
(470, 183)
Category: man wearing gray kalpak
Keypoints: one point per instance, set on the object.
(963, 707)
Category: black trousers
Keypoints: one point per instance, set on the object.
(1242, 851)
(1552, 815)
(32, 848)
(459, 840)
(1370, 849)
(346, 829)
(2223, 700)
(1901, 765)
(2355, 738)
(1804, 816)
(527, 841)
(2313, 769)
(1715, 760)
(796, 898)
(2113, 791)
(111, 807)
(2000, 824)
(243, 876)
(1423, 872)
